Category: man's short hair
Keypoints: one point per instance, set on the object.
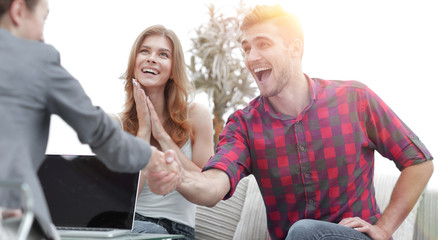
(288, 23)
(6, 4)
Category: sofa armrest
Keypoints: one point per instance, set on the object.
(383, 185)
(427, 216)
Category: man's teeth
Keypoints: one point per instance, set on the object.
(256, 70)
(148, 70)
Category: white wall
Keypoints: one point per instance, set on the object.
(389, 45)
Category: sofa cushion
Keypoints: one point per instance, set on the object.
(220, 221)
(253, 223)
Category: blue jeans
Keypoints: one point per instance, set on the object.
(144, 224)
(308, 229)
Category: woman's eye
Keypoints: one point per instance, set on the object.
(164, 55)
(144, 51)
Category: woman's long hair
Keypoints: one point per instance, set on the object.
(176, 93)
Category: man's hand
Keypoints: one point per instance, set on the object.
(163, 172)
(11, 213)
(374, 231)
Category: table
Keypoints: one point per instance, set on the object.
(135, 236)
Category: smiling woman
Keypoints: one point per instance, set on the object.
(158, 110)
(388, 45)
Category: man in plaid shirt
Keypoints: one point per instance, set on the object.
(310, 144)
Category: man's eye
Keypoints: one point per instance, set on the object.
(264, 44)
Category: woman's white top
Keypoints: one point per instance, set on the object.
(173, 206)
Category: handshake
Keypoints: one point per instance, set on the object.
(163, 172)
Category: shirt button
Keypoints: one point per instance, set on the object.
(306, 174)
(302, 148)
(310, 201)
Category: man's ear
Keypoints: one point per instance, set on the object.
(17, 11)
(296, 48)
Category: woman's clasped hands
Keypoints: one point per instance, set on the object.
(148, 120)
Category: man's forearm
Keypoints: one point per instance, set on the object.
(204, 188)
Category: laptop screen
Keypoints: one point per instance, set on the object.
(82, 192)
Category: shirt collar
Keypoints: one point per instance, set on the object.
(312, 87)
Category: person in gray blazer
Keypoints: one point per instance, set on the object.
(34, 85)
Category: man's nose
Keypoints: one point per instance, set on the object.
(252, 55)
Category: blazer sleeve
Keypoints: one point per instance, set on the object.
(119, 150)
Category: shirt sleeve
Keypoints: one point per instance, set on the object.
(232, 154)
(119, 150)
(390, 136)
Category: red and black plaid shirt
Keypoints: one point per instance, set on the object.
(318, 165)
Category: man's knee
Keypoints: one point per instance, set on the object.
(303, 226)
(315, 229)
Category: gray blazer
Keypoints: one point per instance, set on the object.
(34, 85)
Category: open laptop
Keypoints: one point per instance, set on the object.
(87, 199)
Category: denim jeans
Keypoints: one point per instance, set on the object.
(144, 224)
(308, 229)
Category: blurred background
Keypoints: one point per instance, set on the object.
(391, 46)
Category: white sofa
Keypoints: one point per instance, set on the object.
(243, 216)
